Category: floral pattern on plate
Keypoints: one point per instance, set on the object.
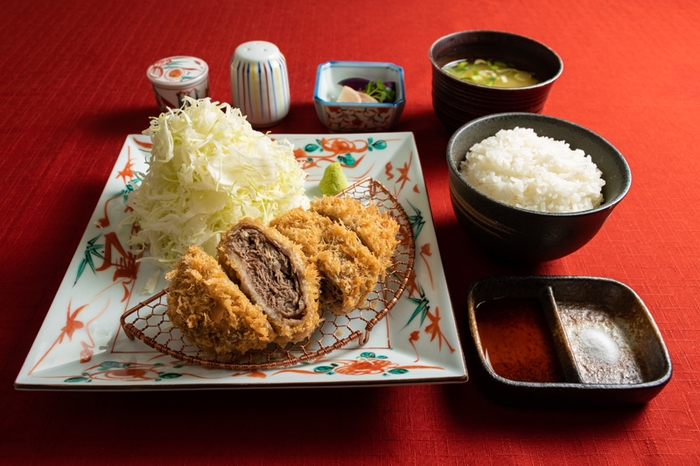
(81, 345)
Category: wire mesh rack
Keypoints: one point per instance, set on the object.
(148, 321)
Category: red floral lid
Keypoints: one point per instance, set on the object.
(179, 71)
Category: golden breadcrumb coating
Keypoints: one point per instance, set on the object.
(275, 274)
(210, 310)
(377, 230)
(348, 269)
(271, 284)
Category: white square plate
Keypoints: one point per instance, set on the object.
(81, 345)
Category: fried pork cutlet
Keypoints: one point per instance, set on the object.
(276, 275)
(348, 269)
(210, 310)
(376, 230)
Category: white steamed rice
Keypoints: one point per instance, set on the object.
(524, 170)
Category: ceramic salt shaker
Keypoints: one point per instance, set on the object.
(259, 83)
(173, 78)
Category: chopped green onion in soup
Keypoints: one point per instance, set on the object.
(493, 73)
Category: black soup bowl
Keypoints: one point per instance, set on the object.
(527, 236)
(457, 101)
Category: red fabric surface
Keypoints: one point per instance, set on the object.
(74, 85)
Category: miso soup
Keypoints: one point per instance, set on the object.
(492, 73)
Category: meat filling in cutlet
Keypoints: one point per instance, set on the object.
(269, 272)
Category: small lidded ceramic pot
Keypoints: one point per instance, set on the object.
(174, 78)
(259, 83)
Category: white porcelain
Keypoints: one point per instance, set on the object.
(173, 78)
(260, 83)
(347, 117)
(81, 345)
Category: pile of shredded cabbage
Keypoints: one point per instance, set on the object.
(208, 169)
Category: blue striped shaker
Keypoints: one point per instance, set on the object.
(259, 83)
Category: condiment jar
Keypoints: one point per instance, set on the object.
(174, 78)
(259, 83)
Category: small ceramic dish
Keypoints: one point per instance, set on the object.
(347, 117)
(565, 342)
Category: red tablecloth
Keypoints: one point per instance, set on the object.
(74, 85)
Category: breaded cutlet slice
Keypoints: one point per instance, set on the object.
(276, 275)
(349, 270)
(210, 310)
(377, 230)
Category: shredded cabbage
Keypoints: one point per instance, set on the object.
(208, 169)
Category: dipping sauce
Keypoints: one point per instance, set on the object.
(515, 337)
(492, 73)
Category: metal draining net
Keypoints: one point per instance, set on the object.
(149, 322)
